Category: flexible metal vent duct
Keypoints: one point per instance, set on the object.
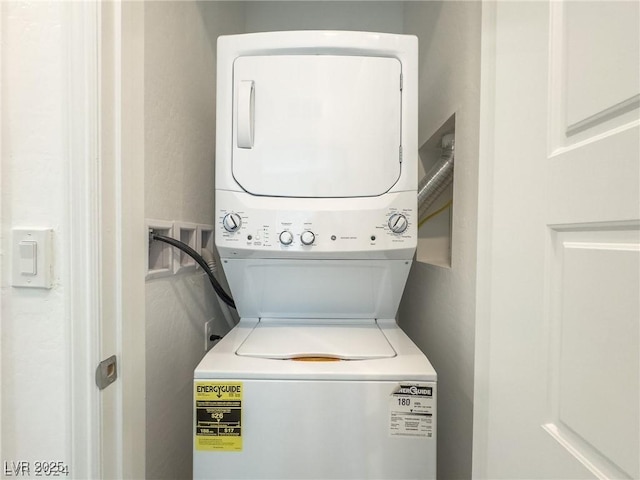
(438, 178)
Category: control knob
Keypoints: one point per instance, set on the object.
(398, 223)
(307, 237)
(231, 222)
(286, 237)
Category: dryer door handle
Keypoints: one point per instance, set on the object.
(245, 115)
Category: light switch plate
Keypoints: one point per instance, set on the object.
(32, 257)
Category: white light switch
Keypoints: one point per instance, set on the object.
(28, 257)
(32, 258)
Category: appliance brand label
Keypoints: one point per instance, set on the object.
(412, 410)
(218, 416)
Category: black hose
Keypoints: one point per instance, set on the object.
(226, 298)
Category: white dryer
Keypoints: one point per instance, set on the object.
(316, 178)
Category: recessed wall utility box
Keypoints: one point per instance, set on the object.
(205, 239)
(160, 254)
(186, 233)
(205, 235)
(32, 258)
(435, 228)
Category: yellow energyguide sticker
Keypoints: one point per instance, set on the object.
(218, 416)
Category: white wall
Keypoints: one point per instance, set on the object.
(179, 186)
(35, 417)
(438, 308)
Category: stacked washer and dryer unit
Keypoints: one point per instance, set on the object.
(316, 178)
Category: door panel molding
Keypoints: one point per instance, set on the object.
(606, 173)
(599, 466)
(613, 107)
(593, 314)
(606, 115)
(602, 45)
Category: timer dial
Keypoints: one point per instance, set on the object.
(307, 237)
(231, 222)
(286, 237)
(398, 223)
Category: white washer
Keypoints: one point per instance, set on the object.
(372, 416)
(316, 179)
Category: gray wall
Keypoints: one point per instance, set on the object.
(364, 16)
(438, 308)
(180, 109)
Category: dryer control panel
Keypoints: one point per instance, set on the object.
(250, 226)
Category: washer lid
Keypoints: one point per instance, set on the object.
(328, 339)
(317, 125)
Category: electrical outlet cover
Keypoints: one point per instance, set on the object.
(208, 331)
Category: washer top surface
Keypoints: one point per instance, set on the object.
(333, 339)
(376, 362)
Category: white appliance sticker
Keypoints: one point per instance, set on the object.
(412, 410)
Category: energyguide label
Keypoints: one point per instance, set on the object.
(218, 417)
(412, 410)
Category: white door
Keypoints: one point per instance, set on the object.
(557, 365)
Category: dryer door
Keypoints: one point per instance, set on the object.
(316, 125)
